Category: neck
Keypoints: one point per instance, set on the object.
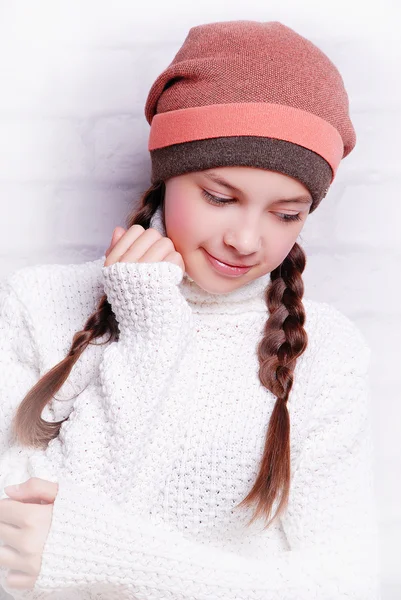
(243, 299)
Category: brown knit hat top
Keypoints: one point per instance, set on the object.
(253, 94)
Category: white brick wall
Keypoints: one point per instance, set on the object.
(73, 159)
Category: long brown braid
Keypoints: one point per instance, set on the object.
(283, 341)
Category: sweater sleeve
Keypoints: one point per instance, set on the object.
(330, 522)
(19, 371)
(154, 322)
(146, 301)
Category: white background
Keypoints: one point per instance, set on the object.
(74, 160)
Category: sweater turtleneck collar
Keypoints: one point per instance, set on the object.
(245, 298)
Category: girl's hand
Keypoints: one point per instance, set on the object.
(141, 245)
(25, 520)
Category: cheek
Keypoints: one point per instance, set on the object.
(175, 222)
(281, 243)
(184, 224)
(278, 245)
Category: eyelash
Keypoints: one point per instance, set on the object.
(219, 201)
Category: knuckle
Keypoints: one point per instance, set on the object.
(26, 546)
(27, 521)
(168, 242)
(31, 519)
(154, 232)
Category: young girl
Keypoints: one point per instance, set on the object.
(147, 396)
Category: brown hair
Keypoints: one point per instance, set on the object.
(283, 341)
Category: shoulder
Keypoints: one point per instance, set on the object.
(39, 280)
(56, 299)
(336, 364)
(44, 284)
(334, 338)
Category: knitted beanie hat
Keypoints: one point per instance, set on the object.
(250, 93)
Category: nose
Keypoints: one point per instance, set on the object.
(245, 237)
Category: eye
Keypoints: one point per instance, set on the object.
(285, 218)
(215, 199)
(288, 218)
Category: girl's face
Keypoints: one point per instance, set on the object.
(251, 225)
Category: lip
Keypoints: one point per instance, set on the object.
(226, 269)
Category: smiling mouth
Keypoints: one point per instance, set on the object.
(231, 265)
(224, 268)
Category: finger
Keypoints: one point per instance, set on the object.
(10, 536)
(158, 251)
(123, 244)
(8, 557)
(111, 244)
(175, 258)
(21, 561)
(135, 252)
(29, 500)
(20, 548)
(17, 580)
(14, 512)
(108, 250)
(35, 489)
(117, 234)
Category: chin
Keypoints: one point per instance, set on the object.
(214, 283)
(208, 279)
(216, 289)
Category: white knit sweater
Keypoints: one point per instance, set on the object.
(165, 437)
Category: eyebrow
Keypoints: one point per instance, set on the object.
(218, 179)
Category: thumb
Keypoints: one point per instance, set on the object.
(33, 490)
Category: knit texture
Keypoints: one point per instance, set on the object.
(273, 63)
(166, 434)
